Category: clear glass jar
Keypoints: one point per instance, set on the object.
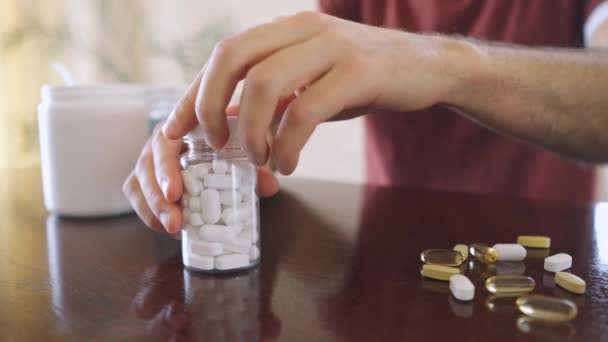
(220, 206)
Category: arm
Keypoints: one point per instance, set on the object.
(554, 98)
(549, 97)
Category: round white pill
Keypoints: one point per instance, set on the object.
(462, 288)
(509, 252)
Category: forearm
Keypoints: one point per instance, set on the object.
(554, 98)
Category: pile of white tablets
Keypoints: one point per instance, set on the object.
(220, 211)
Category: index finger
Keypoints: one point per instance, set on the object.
(183, 116)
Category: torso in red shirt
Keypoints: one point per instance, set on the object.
(440, 149)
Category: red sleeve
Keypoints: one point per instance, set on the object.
(345, 9)
(588, 7)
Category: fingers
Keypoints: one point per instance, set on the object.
(268, 185)
(183, 116)
(330, 95)
(269, 81)
(166, 166)
(230, 61)
(132, 191)
(169, 214)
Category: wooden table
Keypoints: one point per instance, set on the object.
(339, 263)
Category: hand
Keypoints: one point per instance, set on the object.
(154, 187)
(344, 68)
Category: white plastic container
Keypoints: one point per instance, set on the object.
(90, 138)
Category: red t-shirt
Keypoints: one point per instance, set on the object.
(439, 149)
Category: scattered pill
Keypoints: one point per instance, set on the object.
(231, 261)
(216, 233)
(230, 198)
(219, 181)
(206, 248)
(558, 262)
(219, 166)
(196, 220)
(463, 249)
(446, 257)
(438, 272)
(509, 252)
(570, 282)
(510, 284)
(211, 209)
(462, 288)
(547, 308)
(191, 184)
(483, 253)
(534, 241)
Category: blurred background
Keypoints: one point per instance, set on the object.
(155, 41)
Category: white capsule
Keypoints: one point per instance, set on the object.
(199, 261)
(558, 262)
(237, 228)
(200, 170)
(206, 248)
(462, 288)
(254, 253)
(231, 261)
(237, 245)
(219, 166)
(230, 197)
(186, 215)
(196, 220)
(195, 204)
(216, 233)
(211, 209)
(510, 252)
(191, 184)
(241, 214)
(219, 181)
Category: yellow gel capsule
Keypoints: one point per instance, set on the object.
(547, 308)
(445, 257)
(534, 241)
(570, 282)
(463, 249)
(483, 253)
(510, 284)
(438, 272)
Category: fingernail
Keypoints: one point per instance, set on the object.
(164, 219)
(164, 187)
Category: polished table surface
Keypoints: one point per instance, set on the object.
(339, 263)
